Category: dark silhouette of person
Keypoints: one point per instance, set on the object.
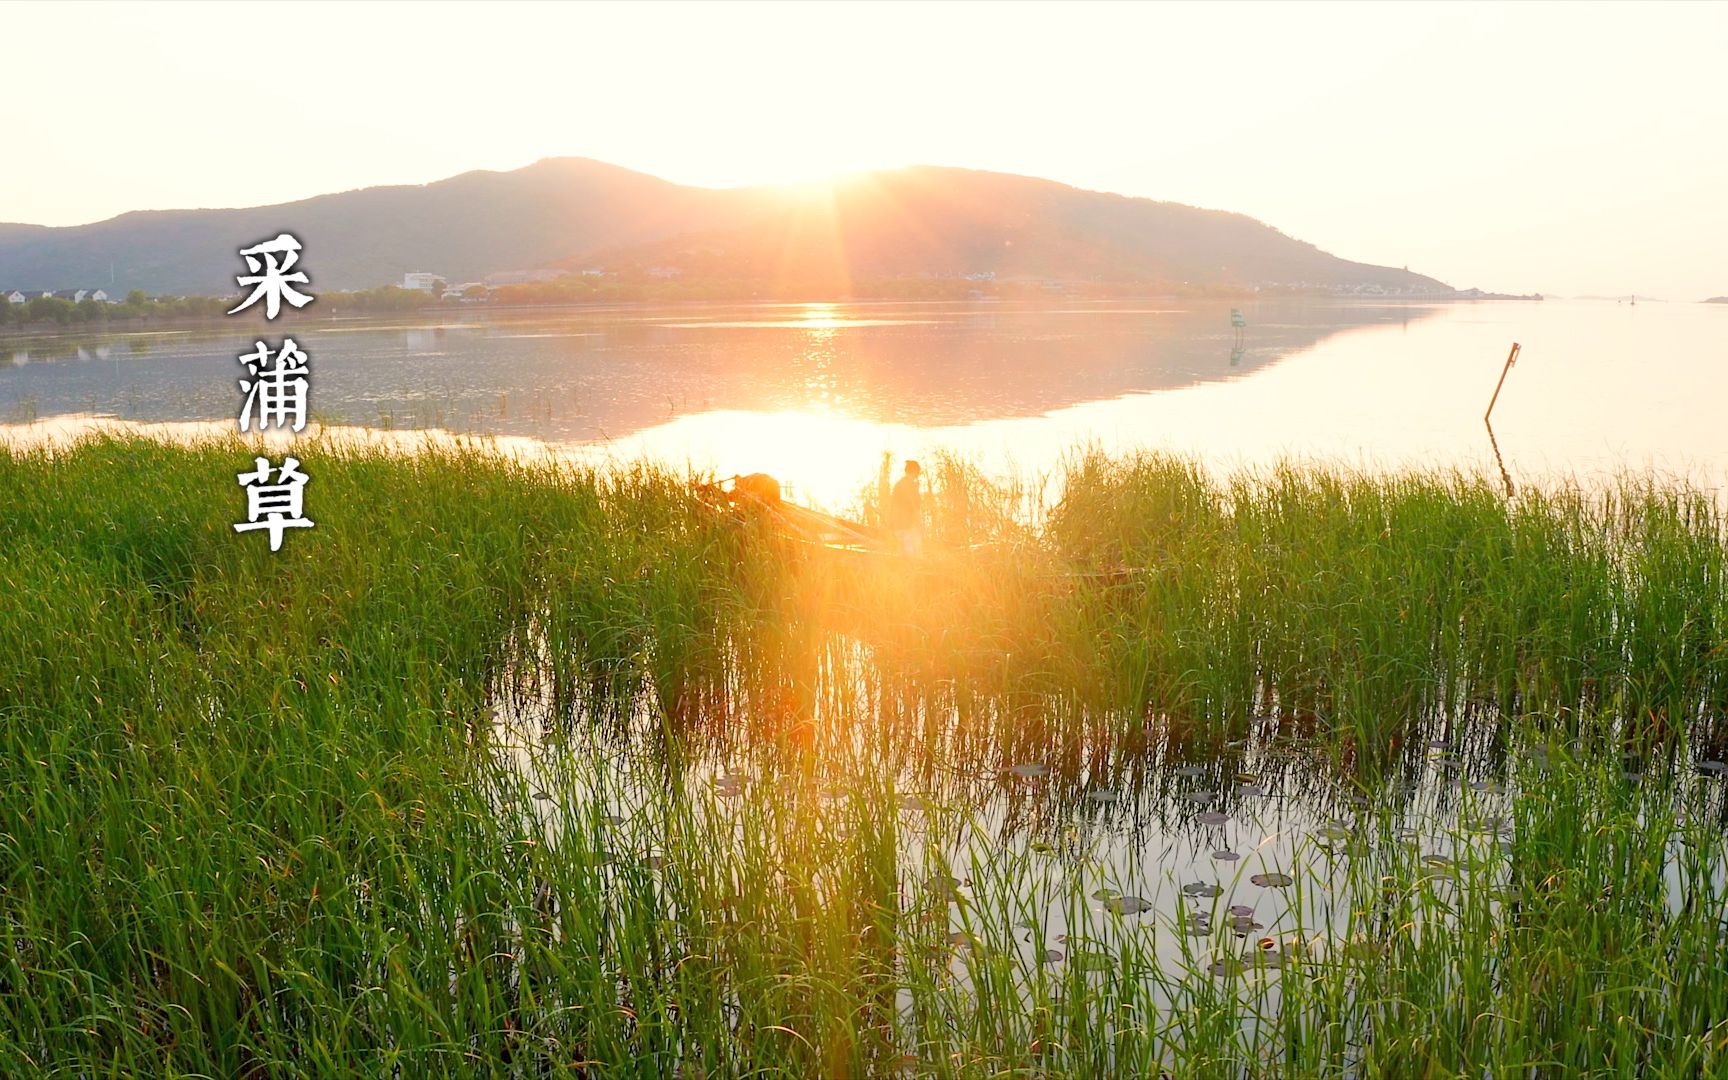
(906, 511)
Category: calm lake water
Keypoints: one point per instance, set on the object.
(816, 394)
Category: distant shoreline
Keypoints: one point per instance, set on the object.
(431, 314)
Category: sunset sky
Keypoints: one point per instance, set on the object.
(1546, 147)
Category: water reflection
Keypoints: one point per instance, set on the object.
(610, 374)
(816, 394)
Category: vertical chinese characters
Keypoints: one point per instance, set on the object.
(274, 506)
(276, 387)
(275, 393)
(270, 262)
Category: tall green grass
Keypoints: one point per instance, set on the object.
(258, 815)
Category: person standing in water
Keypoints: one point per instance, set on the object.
(906, 512)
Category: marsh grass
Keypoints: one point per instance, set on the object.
(512, 770)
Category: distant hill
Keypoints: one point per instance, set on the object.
(1717, 300)
(572, 213)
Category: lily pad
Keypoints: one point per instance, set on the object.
(542, 796)
(1188, 771)
(1241, 910)
(1713, 766)
(1202, 888)
(1226, 856)
(1091, 960)
(1051, 956)
(1244, 925)
(1201, 798)
(1332, 831)
(1030, 771)
(1273, 880)
(1226, 966)
(1127, 905)
(1101, 796)
(942, 885)
(1211, 817)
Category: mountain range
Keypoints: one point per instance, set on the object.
(574, 214)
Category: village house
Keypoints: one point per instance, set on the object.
(24, 296)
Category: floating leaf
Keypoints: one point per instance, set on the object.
(1202, 888)
(1438, 861)
(542, 796)
(1106, 894)
(1211, 817)
(942, 885)
(1239, 910)
(1126, 905)
(1713, 766)
(1101, 796)
(1250, 790)
(1051, 956)
(1041, 847)
(1273, 880)
(1031, 771)
(1091, 960)
(1488, 787)
(1201, 798)
(1225, 856)
(1226, 966)
(1189, 771)
(1244, 925)
(1332, 831)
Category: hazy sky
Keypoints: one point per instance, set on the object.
(1568, 148)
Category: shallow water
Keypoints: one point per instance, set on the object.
(816, 394)
(1171, 862)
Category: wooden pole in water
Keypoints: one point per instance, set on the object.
(1511, 358)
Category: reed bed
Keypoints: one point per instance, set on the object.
(522, 770)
